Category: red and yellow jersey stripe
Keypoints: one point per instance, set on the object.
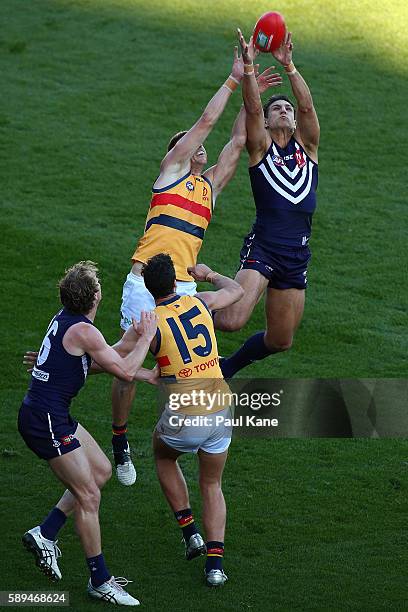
(176, 222)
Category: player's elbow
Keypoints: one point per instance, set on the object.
(305, 107)
(239, 141)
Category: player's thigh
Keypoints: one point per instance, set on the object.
(135, 298)
(74, 470)
(211, 466)
(284, 311)
(162, 451)
(253, 284)
(100, 465)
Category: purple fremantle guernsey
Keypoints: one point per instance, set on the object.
(284, 186)
(57, 376)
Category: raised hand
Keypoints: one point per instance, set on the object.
(284, 53)
(247, 49)
(238, 66)
(266, 80)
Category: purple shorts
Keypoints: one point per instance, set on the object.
(284, 267)
(47, 435)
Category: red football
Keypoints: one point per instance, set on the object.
(269, 32)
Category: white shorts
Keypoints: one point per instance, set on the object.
(135, 298)
(188, 434)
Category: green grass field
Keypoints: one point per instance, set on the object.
(91, 92)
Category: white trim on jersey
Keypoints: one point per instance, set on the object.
(284, 193)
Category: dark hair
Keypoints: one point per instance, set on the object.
(273, 99)
(78, 287)
(159, 275)
(174, 139)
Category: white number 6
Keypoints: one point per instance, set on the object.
(46, 344)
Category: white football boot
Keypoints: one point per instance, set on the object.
(215, 577)
(125, 470)
(195, 547)
(46, 552)
(113, 592)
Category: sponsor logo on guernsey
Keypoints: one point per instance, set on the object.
(304, 240)
(205, 193)
(40, 374)
(56, 444)
(206, 365)
(190, 186)
(277, 160)
(185, 372)
(300, 158)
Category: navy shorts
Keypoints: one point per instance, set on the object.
(284, 267)
(47, 435)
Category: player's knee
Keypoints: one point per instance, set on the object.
(234, 322)
(209, 485)
(278, 345)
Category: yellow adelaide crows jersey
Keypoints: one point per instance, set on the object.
(187, 352)
(176, 222)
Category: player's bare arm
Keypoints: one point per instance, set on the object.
(83, 338)
(258, 139)
(227, 291)
(178, 160)
(223, 171)
(123, 347)
(307, 129)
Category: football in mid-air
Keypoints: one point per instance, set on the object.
(269, 32)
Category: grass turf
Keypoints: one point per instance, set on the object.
(91, 93)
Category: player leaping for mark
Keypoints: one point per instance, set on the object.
(282, 144)
(181, 208)
(47, 428)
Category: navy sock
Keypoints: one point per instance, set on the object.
(98, 569)
(186, 521)
(119, 438)
(215, 555)
(52, 524)
(252, 350)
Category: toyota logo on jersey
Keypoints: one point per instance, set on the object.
(185, 373)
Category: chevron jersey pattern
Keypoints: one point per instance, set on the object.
(284, 186)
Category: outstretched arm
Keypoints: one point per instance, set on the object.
(308, 129)
(227, 291)
(257, 136)
(177, 161)
(220, 174)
